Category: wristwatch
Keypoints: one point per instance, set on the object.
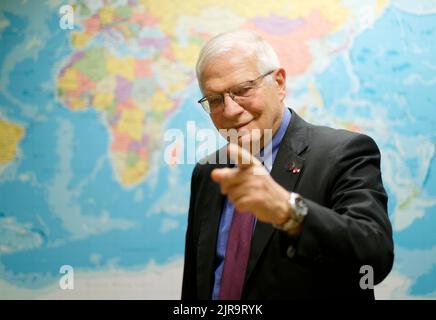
(299, 209)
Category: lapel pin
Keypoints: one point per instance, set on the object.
(294, 168)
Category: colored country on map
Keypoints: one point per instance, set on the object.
(10, 136)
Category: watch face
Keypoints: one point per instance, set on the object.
(301, 208)
(298, 202)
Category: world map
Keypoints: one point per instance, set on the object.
(85, 179)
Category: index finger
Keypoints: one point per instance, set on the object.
(242, 157)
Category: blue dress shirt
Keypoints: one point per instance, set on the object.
(227, 214)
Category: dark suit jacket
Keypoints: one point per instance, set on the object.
(347, 225)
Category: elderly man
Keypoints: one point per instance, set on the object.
(314, 225)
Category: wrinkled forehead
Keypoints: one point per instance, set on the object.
(226, 70)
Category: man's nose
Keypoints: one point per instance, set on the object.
(231, 108)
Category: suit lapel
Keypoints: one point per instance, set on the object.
(211, 206)
(286, 171)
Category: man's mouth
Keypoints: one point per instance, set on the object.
(240, 126)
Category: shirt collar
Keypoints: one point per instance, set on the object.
(268, 153)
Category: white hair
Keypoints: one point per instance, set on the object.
(245, 40)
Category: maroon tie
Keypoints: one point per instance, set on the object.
(236, 257)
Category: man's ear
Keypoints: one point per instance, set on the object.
(280, 81)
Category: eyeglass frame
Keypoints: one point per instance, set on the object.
(230, 93)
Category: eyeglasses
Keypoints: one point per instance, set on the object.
(215, 102)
